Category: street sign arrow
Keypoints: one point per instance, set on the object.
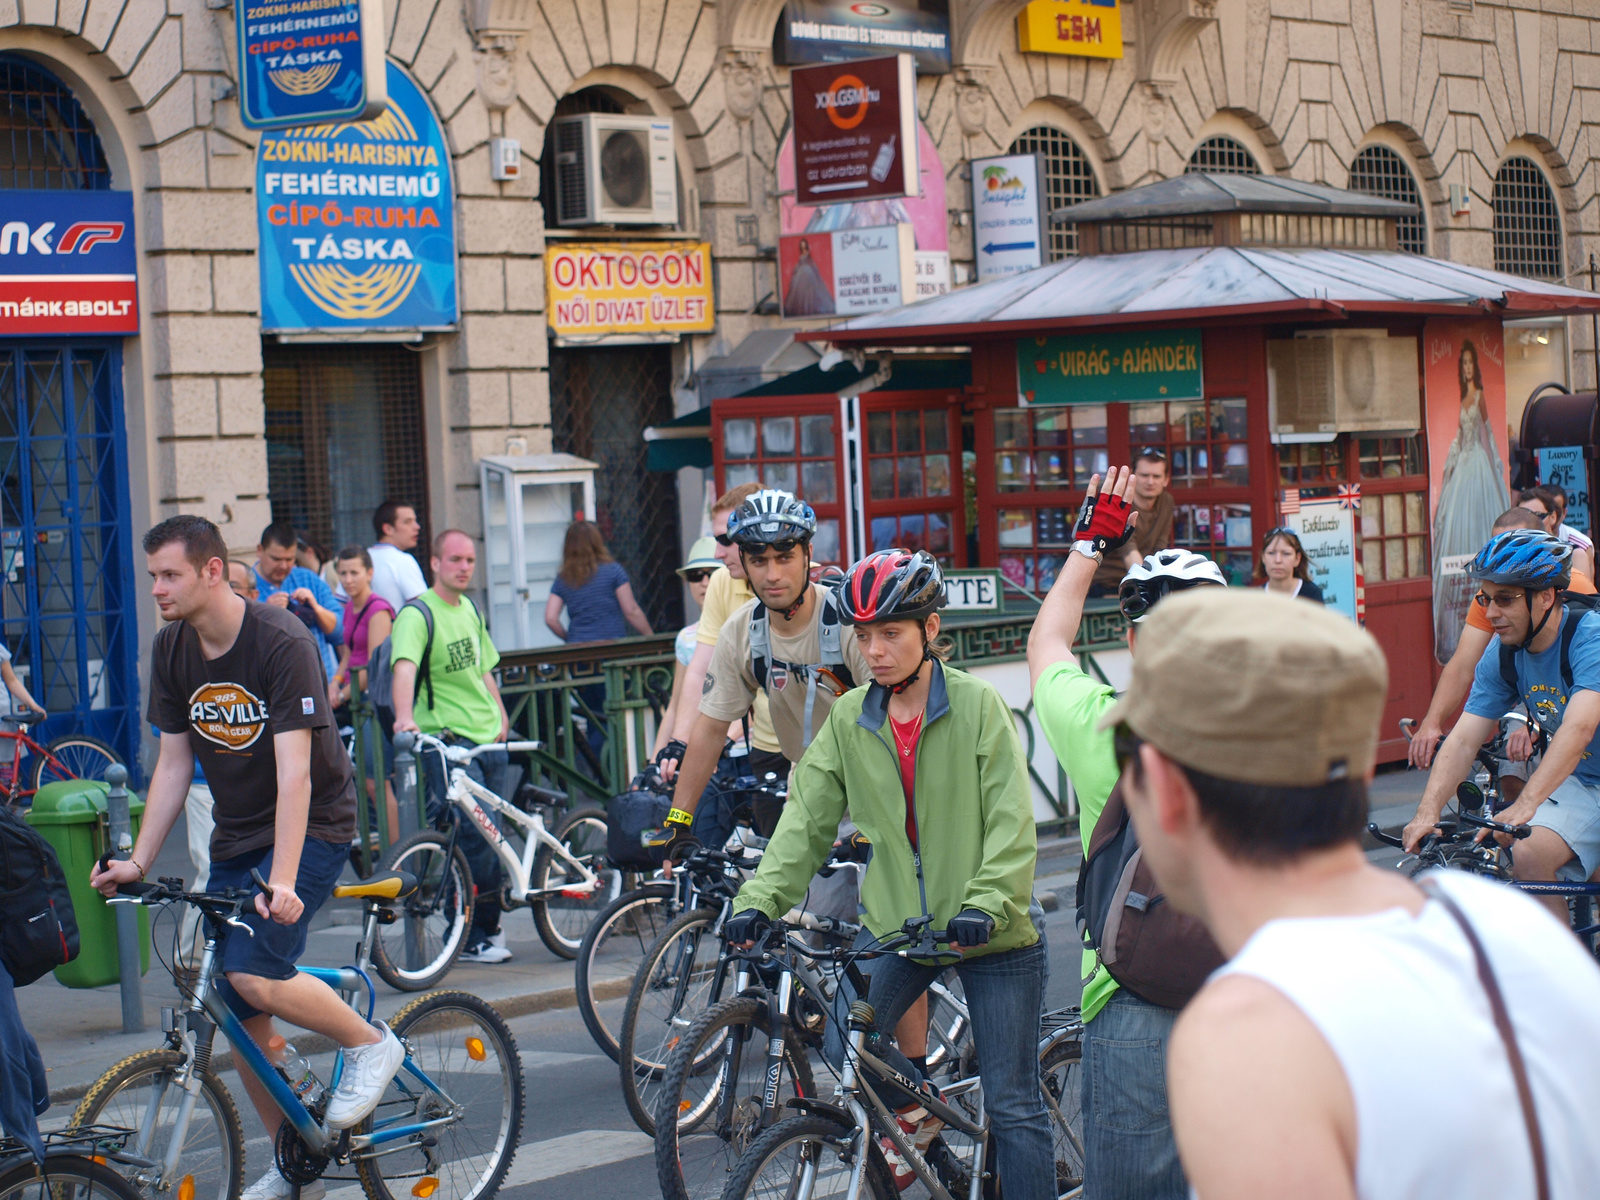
(1001, 247)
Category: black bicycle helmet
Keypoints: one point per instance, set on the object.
(1524, 558)
(1159, 575)
(891, 585)
(771, 516)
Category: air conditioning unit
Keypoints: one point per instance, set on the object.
(1326, 383)
(615, 170)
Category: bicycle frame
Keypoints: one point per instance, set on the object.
(17, 791)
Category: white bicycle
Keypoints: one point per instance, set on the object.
(562, 876)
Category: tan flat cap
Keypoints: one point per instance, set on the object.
(1249, 686)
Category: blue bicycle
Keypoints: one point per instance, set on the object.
(447, 1128)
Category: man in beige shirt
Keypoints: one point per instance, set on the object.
(1152, 532)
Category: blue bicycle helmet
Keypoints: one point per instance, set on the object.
(771, 516)
(1525, 558)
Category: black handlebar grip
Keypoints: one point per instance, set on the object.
(266, 888)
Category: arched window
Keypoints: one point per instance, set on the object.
(1068, 180)
(46, 139)
(1527, 225)
(1221, 155)
(1379, 171)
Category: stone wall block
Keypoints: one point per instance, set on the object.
(698, 69)
(200, 220)
(677, 27)
(203, 47)
(1275, 67)
(206, 345)
(161, 62)
(1459, 58)
(622, 21)
(180, 163)
(37, 12)
(173, 112)
(570, 39)
(186, 407)
(229, 166)
(525, 284)
(139, 22)
(99, 20)
(1314, 82)
(471, 169)
(439, 49)
(240, 410)
(410, 23)
(236, 283)
(651, 14)
(450, 91)
(468, 129)
(483, 284)
(480, 399)
(179, 282)
(530, 401)
(543, 52)
(218, 471)
(735, 285)
(498, 226)
(508, 340)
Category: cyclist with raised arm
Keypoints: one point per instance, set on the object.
(1547, 655)
(238, 684)
(927, 760)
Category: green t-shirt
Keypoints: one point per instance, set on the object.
(1070, 705)
(462, 653)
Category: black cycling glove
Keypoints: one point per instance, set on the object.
(673, 840)
(971, 929)
(746, 926)
(673, 752)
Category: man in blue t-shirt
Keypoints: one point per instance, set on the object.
(281, 583)
(1521, 574)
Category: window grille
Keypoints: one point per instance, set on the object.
(46, 139)
(1379, 171)
(1527, 226)
(1069, 179)
(344, 433)
(1221, 155)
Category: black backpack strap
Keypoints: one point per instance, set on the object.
(1570, 621)
(424, 673)
(760, 645)
(1508, 668)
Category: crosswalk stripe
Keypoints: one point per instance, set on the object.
(558, 1156)
(534, 1059)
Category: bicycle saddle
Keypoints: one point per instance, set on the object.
(388, 885)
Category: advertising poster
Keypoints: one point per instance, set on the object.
(846, 272)
(1008, 217)
(639, 289)
(925, 210)
(1110, 368)
(833, 31)
(1465, 377)
(855, 130)
(1327, 530)
(309, 60)
(67, 263)
(357, 222)
(1565, 467)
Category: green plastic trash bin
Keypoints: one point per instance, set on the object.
(71, 816)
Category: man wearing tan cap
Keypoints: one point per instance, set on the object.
(1358, 1042)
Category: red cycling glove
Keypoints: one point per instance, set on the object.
(1104, 523)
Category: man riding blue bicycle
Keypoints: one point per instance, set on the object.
(1545, 653)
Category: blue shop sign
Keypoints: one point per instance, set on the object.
(309, 60)
(357, 222)
(68, 263)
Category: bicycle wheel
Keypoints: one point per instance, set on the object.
(679, 979)
(460, 1043)
(1061, 1081)
(419, 949)
(775, 1165)
(611, 952)
(708, 1112)
(81, 756)
(65, 1177)
(562, 919)
(142, 1093)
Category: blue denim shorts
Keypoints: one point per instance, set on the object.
(274, 950)
(1573, 813)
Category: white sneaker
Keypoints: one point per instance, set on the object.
(273, 1186)
(485, 952)
(498, 941)
(367, 1072)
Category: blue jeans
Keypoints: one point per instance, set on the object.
(1005, 992)
(489, 770)
(1129, 1152)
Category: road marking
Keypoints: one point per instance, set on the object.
(534, 1059)
(555, 1157)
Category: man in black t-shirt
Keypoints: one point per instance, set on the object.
(239, 685)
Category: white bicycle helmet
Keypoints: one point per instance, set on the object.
(1159, 575)
(771, 516)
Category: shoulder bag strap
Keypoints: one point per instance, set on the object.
(1508, 1035)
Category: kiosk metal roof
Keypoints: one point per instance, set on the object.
(1211, 284)
(1192, 194)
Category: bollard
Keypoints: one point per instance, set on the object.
(406, 790)
(121, 831)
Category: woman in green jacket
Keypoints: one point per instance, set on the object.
(927, 761)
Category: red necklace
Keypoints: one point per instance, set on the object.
(907, 746)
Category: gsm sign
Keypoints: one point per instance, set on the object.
(843, 92)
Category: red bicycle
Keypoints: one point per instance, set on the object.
(73, 756)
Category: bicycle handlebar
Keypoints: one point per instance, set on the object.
(1517, 831)
(465, 754)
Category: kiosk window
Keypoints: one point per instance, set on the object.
(1206, 441)
(1049, 447)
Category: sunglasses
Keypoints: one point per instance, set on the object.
(1125, 745)
(1509, 600)
(723, 539)
(697, 576)
(1152, 452)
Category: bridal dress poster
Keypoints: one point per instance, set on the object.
(1465, 378)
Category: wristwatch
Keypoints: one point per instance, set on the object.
(1086, 548)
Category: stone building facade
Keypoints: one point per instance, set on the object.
(1456, 89)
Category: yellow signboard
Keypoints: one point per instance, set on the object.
(638, 288)
(1087, 28)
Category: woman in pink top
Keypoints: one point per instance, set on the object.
(368, 618)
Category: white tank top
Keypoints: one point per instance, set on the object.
(1398, 1000)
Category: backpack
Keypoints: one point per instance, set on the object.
(38, 929)
(1582, 603)
(380, 667)
(1150, 948)
(629, 815)
(830, 640)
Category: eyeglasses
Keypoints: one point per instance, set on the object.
(1152, 452)
(723, 539)
(697, 575)
(1503, 601)
(1125, 745)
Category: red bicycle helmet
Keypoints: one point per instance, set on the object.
(891, 585)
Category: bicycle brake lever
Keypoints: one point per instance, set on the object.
(240, 924)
